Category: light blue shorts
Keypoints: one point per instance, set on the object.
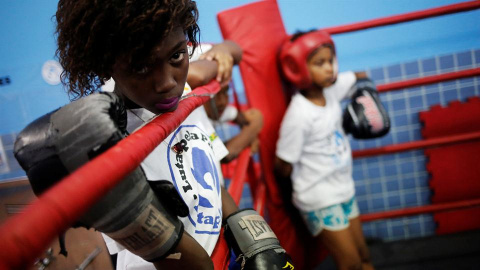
(333, 218)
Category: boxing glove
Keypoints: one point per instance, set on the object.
(254, 242)
(59, 142)
(365, 117)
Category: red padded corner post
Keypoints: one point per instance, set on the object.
(454, 169)
(259, 30)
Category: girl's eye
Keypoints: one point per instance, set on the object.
(178, 56)
(142, 71)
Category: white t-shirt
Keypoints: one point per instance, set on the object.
(229, 114)
(313, 141)
(201, 49)
(195, 173)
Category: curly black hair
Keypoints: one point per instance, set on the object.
(92, 34)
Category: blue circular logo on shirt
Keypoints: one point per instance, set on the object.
(195, 175)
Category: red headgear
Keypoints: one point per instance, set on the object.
(294, 56)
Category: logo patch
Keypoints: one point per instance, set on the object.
(257, 226)
(195, 175)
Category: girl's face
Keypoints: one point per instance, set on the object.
(321, 67)
(158, 86)
(221, 100)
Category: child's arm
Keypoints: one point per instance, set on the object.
(217, 63)
(282, 171)
(226, 54)
(251, 122)
(191, 254)
(282, 168)
(361, 75)
(345, 82)
(201, 72)
(228, 204)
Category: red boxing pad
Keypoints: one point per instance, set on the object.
(261, 79)
(259, 31)
(294, 55)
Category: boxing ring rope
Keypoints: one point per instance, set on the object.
(245, 171)
(433, 208)
(259, 198)
(406, 17)
(429, 79)
(236, 187)
(25, 235)
(401, 147)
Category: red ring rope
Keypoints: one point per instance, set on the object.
(25, 236)
(429, 79)
(423, 14)
(433, 208)
(236, 187)
(395, 148)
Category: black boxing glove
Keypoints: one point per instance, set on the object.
(254, 242)
(59, 142)
(365, 117)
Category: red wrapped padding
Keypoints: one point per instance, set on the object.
(259, 30)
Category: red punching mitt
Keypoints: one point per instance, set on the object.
(365, 117)
(295, 53)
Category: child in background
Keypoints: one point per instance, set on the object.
(218, 109)
(313, 151)
(250, 122)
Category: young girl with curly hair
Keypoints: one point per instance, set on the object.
(144, 46)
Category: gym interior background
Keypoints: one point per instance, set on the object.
(29, 84)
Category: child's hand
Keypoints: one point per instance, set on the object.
(255, 120)
(225, 60)
(241, 120)
(255, 146)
